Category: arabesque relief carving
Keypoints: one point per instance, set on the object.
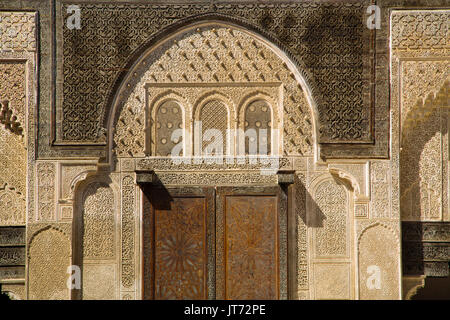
(347, 55)
(99, 222)
(230, 48)
(49, 256)
(13, 161)
(112, 94)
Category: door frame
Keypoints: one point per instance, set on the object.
(287, 230)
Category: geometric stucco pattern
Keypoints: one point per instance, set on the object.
(420, 43)
(208, 56)
(13, 156)
(336, 64)
(329, 220)
(331, 213)
(375, 249)
(48, 260)
(421, 29)
(128, 233)
(17, 140)
(302, 258)
(45, 178)
(98, 222)
(17, 31)
(331, 250)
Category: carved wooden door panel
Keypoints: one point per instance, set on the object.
(250, 258)
(206, 243)
(178, 243)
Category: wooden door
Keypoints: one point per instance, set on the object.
(250, 258)
(178, 243)
(208, 243)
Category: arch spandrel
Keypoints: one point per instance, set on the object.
(215, 57)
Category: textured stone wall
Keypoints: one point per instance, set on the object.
(345, 47)
(49, 256)
(421, 88)
(214, 59)
(17, 110)
(316, 91)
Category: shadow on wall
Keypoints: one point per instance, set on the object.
(3, 295)
(421, 178)
(434, 289)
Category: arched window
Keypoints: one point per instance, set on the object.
(168, 118)
(214, 124)
(257, 128)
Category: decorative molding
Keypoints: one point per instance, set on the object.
(128, 232)
(99, 223)
(17, 31)
(46, 177)
(348, 180)
(214, 163)
(9, 120)
(420, 29)
(216, 179)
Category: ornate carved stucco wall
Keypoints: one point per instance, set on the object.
(366, 199)
(213, 59)
(98, 217)
(17, 98)
(421, 77)
(420, 100)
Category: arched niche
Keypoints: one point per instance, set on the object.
(424, 158)
(168, 117)
(96, 236)
(213, 115)
(259, 111)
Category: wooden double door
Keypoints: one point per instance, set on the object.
(214, 243)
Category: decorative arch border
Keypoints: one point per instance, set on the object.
(359, 233)
(82, 186)
(297, 67)
(350, 182)
(42, 229)
(326, 175)
(374, 224)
